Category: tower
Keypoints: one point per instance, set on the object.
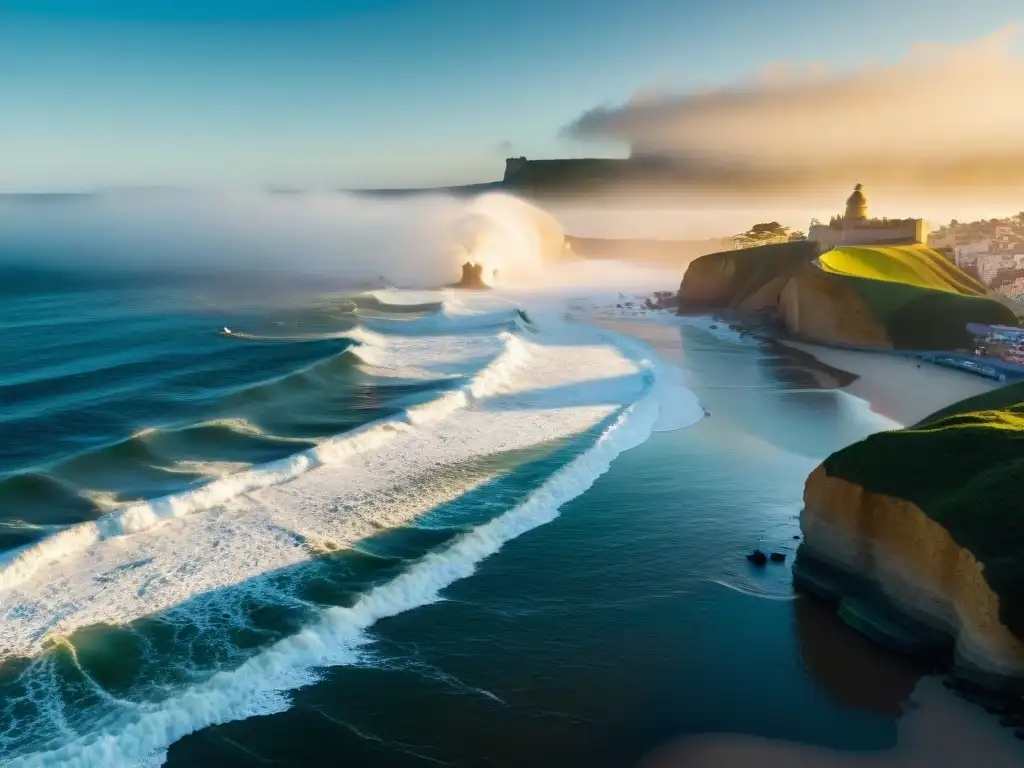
(513, 165)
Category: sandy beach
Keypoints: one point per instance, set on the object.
(938, 730)
(900, 388)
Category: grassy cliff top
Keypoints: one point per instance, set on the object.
(963, 467)
(923, 300)
(915, 265)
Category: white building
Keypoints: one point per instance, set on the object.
(967, 255)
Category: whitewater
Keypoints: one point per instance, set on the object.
(518, 379)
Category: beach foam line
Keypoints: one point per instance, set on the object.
(145, 515)
(453, 317)
(677, 403)
(260, 685)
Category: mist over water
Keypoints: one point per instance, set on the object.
(410, 242)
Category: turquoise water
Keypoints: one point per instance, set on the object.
(403, 528)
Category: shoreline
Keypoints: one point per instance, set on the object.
(936, 729)
(897, 387)
(934, 726)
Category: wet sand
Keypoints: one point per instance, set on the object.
(938, 730)
(900, 388)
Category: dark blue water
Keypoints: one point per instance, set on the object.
(632, 618)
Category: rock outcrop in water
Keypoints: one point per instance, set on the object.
(918, 535)
(472, 277)
(882, 297)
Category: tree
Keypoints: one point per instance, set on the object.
(760, 234)
(768, 228)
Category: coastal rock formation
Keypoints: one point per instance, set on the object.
(881, 297)
(741, 279)
(472, 277)
(815, 306)
(893, 545)
(919, 536)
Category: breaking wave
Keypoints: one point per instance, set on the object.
(260, 685)
(293, 444)
(331, 452)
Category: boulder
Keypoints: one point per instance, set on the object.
(757, 557)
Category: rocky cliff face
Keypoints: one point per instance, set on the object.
(807, 302)
(708, 282)
(891, 547)
(814, 306)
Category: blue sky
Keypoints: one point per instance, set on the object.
(386, 93)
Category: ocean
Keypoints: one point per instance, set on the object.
(269, 516)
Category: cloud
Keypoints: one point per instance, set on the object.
(940, 117)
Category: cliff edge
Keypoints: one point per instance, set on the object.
(884, 297)
(918, 534)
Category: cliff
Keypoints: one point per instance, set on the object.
(919, 534)
(724, 280)
(887, 297)
(818, 307)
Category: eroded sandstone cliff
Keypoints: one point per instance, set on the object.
(708, 282)
(819, 307)
(788, 284)
(892, 546)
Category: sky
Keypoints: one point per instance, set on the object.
(385, 93)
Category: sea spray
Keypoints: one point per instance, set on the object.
(350, 239)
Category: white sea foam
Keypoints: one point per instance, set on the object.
(551, 386)
(452, 318)
(554, 382)
(142, 516)
(260, 685)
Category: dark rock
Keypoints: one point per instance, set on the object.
(777, 557)
(796, 537)
(714, 327)
(472, 277)
(1010, 721)
(1019, 733)
(757, 557)
(618, 306)
(661, 300)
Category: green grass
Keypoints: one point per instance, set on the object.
(925, 318)
(964, 468)
(916, 265)
(923, 300)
